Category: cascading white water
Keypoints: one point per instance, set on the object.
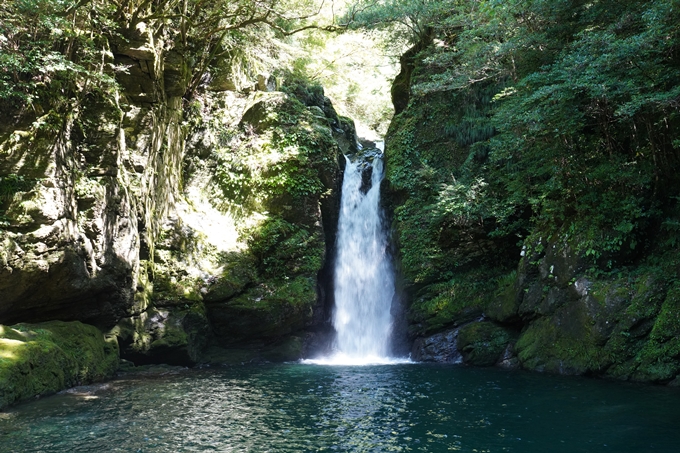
(364, 278)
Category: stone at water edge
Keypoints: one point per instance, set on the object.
(40, 359)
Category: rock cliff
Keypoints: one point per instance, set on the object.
(523, 293)
(180, 225)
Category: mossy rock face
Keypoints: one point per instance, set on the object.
(260, 114)
(171, 335)
(504, 306)
(651, 345)
(239, 270)
(280, 349)
(453, 303)
(39, 359)
(482, 343)
(452, 264)
(562, 344)
(271, 309)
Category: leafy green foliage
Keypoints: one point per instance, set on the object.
(11, 184)
(57, 50)
(283, 247)
(567, 111)
(51, 50)
(280, 156)
(403, 17)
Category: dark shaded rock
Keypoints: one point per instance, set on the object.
(441, 347)
(401, 87)
(176, 74)
(280, 349)
(175, 336)
(508, 359)
(266, 83)
(138, 81)
(482, 343)
(271, 309)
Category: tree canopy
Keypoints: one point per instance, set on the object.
(570, 109)
(48, 48)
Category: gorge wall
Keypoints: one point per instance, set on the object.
(493, 276)
(178, 225)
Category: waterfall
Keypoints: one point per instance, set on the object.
(363, 275)
(364, 278)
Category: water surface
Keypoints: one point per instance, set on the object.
(310, 408)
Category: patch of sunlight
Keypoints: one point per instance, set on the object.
(218, 227)
(87, 397)
(8, 347)
(356, 70)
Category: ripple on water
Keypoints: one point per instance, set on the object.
(302, 408)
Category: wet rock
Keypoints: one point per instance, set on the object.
(172, 335)
(509, 359)
(441, 348)
(482, 343)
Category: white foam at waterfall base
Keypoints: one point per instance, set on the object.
(364, 277)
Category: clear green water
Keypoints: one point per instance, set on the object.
(308, 408)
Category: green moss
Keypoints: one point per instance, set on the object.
(455, 302)
(549, 346)
(482, 343)
(169, 288)
(270, 309)
(451, 253)
(657, 360)
(176, 335)
(288, 248)
(239, 269)
(38, 359)
(280, 161)
(505, 303)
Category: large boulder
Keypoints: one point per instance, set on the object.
(39, 359)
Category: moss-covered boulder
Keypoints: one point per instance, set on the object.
(170, 335)
(504, 306)
(482, 343)
(460, 300)
(39, 359)
(269, 310)
(238, 270)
